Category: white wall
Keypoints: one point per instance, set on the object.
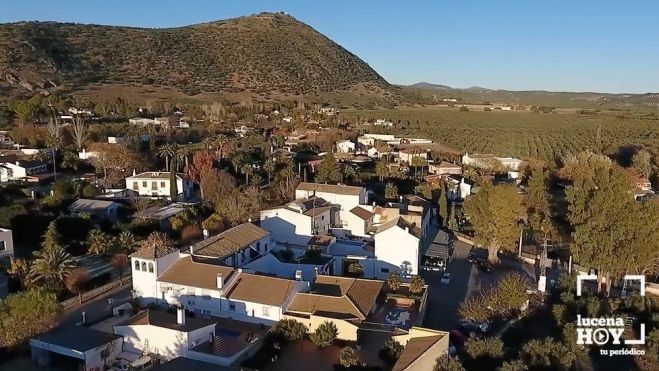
(166, 342)
(271, 265)
(6, 243)
(144, 282)
(93, 356)
(183, 186)
(396, 248)
(287, 226)
(353, 223)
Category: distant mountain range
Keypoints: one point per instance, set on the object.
(477, 94)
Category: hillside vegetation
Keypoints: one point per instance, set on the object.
(264, 54)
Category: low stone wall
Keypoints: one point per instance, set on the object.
(68, 303)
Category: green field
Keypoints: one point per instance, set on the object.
(521, 134)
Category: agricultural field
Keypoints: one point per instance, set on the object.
(525, 135)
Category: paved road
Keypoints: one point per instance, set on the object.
(98, 307)
(466, 280)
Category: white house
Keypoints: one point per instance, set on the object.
(382, 137)
(169, 335)
(345, 146)
(366, 141)
(157, 183)
(407, 154)
(383, 122)
(116, 140)
(234, 247)
(357, 221)
(6, 244)
(397, 248)
(97, 209)
(490, 161)
(23, 169)
(343, 196)
(221, 291)
(298, 220)
(139, 121)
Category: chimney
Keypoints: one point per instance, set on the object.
(400, 198)
(220, 280)
(18, 163)
(407, 229)
(180, 316)
(249, 220)
(298, 275)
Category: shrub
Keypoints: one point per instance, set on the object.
(463, 109)
(391, 351)
(355, 270)
(394, 281)
(348, 357)
(416, 285)
(325, 334)
(90, 191)
(290, 330)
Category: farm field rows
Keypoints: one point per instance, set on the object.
(520, 134)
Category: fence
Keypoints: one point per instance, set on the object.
(68, 303)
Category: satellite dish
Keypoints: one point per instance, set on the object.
(206, 233)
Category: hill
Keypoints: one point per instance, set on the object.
(478, 95)
(263, 54)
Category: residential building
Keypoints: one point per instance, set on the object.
(366, 141)
(407, 154)
(347, 302)
(345, 146)
(157, 184)
(221, 291)
(167, 334)
(383, 122)
(382, 137)
(6, 244)
(234, 247)
(298, 220)
(139, 121)
(397, 248)
(91, 348)
(356, 222)
(445, 168)
(487, 161)
(98, 210)
(343, 196)
(24, 170)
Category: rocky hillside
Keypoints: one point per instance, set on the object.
(262, 54)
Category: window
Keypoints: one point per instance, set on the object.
(265, 247)
(2, 245)
(384, 270)
(144, 266)
(137, 265)
(154, 185)
(162, 184)
(258, 246)
(266, 311)
(232, 307)
(150, 267)
(322, 217)
(206, 294)
(144, 183)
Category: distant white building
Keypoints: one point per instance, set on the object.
(116, 140)
(139, 121)
(490, 161)
(343, 196)
(345, 146)
(97, 209)
(157, 184)
(383, 122)
(366, 141)
(397, 248)
(407, 154)
(382, 137)
(445, 168)
(24, 170)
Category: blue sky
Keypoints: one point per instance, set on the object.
(582, 45)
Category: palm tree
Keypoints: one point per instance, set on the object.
(166, 151)
(350, 173)
(51, 266)
(238, 160)
(54, 140)
(127, 242)
(269, 166)
(248, 170)
(382, 170)
(100, 243)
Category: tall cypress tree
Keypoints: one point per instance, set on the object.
(443, 208)
(173, 189)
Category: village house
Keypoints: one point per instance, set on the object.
(139, 121)
(298, 220)
(235, 246)
(445, 168)
(383, 122)
(157, 184)
(397, 248)
(24, 170)
(406, 155)
(345, 146)
(366, 141)
(98, 210)
(342, 196)
(422, 348)
(487, 161)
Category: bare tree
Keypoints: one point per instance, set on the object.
(54, 140)
(79, 131)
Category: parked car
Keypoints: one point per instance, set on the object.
(446, 278)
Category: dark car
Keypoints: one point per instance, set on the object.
(485, 266)
(472, 258)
